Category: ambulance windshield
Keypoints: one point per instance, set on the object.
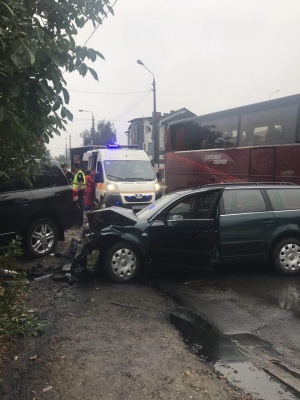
(131, 170)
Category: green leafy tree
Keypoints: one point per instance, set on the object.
(103, 135)
(36, 47)
(62, 159)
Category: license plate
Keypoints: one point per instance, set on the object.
(137, 207)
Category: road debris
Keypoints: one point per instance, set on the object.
(124, 305)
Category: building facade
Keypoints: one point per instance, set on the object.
(140, 133)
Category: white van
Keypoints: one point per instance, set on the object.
(124, 177)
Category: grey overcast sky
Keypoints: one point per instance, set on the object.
(206, 55)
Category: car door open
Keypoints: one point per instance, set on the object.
(186, 233)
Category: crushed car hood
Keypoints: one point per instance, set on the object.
(116, 216)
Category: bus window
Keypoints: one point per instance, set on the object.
(185, 138)
(219, 133)
(276, 126)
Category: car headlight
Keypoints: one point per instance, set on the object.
(156, 186)
(112, 187)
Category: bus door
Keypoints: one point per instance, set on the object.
(262, 166)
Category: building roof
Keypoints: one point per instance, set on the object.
(173, 115)
(165, 118)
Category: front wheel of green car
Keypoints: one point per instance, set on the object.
(122, 262)
(286, 256)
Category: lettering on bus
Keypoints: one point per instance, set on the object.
(215, 158)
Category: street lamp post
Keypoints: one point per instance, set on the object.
(273, 93)
(155, 137)
(93, 125)
(127, 134)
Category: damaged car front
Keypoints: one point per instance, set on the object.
(111, 242)
(120, 242)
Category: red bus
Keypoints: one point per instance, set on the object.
(256, 143)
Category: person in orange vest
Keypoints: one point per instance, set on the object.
(79, 183)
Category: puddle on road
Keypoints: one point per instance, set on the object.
(219, 350)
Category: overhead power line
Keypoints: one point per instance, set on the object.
(130, 107)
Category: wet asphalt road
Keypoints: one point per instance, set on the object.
(251, 307)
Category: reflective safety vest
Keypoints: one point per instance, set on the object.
(75, 180)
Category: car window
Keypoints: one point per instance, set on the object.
(99, 168)
(243, 201)
(181, 209)
(50, 176)
(284, 199)
(12, 185)
(198, 206)
(157, 206)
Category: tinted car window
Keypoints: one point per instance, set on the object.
(12, 185)
(199, 206)
(182, 210)
(284, 199)
(243, 201)
(50, 176)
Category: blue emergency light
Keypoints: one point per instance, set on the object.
(122, 146)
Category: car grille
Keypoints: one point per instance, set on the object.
(142, 199)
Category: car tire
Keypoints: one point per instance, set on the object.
(286, 256)
(41, 238)
(122, 262)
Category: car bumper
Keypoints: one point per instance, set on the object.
(115, 199)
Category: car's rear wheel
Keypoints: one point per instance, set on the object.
(286, 256)
(41, 237)
(122, 262)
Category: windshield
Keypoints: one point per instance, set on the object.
(158, 205)
(129, 170)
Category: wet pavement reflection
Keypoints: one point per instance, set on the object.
(243, 321)
(220, 351)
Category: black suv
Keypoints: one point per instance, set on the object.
(41, 213)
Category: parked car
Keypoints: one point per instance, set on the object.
(41, 213)
(198, 227)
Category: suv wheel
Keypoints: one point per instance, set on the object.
(41, 237)
(122, 262)
(286, 256)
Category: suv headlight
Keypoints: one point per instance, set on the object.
(156, 186)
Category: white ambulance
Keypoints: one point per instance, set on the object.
(124, 177)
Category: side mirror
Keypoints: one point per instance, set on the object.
(98, 177)
(158, 176)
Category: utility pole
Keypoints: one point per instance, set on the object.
(155, 136)
(93, 129)
(93, 125)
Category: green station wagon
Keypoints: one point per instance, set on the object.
(197, 227)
